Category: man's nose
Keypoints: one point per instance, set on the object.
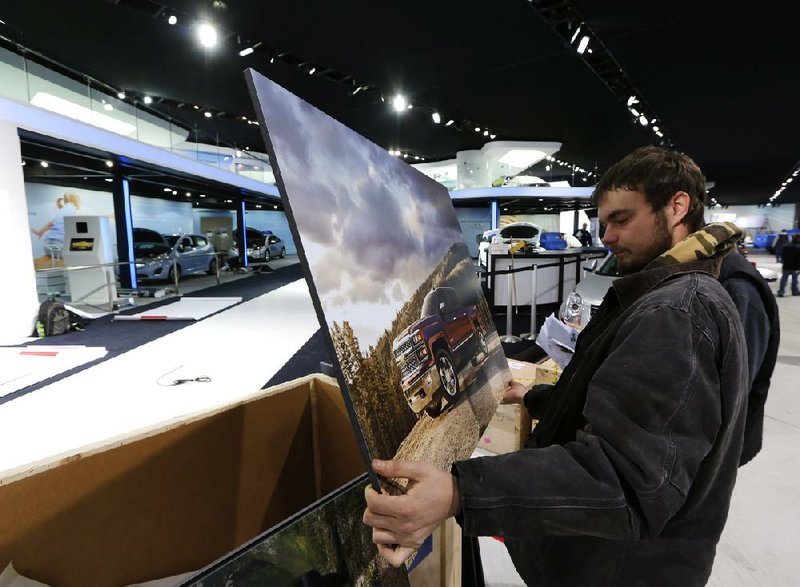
(609, 237)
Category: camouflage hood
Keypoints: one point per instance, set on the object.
(715, 239)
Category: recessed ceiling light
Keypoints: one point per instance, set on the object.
(275, 207)
(174, 192)
(207, 114)
(486, 133)
(246, 52)
(172, 19)
(449, 122)
(147, 100)
(436, 118)
(188, 194)
(167, 189)
(643, 120)
(44, 164)
(202, 195)
(492, 136)
(108, 179)
(109, 164)
(207, 35)
(477, 129)
(582, 46)
(399, 103)
(121, 95)
(312, 71)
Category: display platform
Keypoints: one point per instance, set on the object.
(557, 274)
(184, 309)
(26, 365)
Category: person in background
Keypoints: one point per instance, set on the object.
(758, 311)
(780, 241)
(791, 266)
(52, 233)
(583, 235)
(628, 475)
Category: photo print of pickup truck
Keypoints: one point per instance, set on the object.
(418, 358)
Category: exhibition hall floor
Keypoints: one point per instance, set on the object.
(244, 346)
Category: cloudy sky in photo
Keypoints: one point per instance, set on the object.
(372, 227)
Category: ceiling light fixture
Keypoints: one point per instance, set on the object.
(477, 129)
(202, 195)
(399, 103)
(449, 122)
(314, 69)
(44, 164)
(188, 194)
(174, 192)
(436, 118)
(633, 100)
(172, 19)
(492, 136)
(575, 35)
(207, 35)
(147, 100)
(246, 52)
(643, 120)
(275, 207)
(167, 189)
(109, 164)
(583, 45)
(121, 95)
(207, 114)
(108, 179)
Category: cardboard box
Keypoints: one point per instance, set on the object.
(509, 428)
(176, 498)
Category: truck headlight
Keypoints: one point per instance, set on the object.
(417, 337)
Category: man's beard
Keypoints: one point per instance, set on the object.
(660, 244)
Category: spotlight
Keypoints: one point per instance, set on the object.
(174, 192)
(492, 136)
(399, 103)
(188, 194)
(357, 90)
(583, 44)
(202, 195)
(147, 100)
(633, 100)
(486, 133)
(207, 114)
(643, 120)
(314, 69)
(121, 95)
(44, 164)
(109, 164)
(246, 52)
(410, 106)
(575, 35)
(449, 122)
(108, 179)
(167, 189)
(436, 118)
(172, 19)
(207, 35)
(275, 207)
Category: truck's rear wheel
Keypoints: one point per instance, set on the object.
(447, 374)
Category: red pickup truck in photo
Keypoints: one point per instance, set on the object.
(432, 352)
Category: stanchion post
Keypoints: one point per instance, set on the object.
(532, 334)
(509, 336)
(219, 259)
(175, 275)
(108, 289)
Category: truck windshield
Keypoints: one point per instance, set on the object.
(429, 307)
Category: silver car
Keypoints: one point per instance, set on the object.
(582, 304)
(160, 256)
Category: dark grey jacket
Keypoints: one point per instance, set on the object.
(638, 447)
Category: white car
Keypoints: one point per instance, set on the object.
(527, 232)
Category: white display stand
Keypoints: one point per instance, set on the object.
(87, 241)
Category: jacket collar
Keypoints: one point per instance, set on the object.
(700, 252)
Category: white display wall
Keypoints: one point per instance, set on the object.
(754, 220)
(275, 221)
(473, 222)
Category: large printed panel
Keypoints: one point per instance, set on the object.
(393, 283)
(326, 545)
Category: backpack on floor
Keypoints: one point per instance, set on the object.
(54, 317)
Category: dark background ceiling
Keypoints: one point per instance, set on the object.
(720, 76)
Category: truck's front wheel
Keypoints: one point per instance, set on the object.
(447, 374)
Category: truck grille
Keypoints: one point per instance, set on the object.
(409, 367)
(404, 348)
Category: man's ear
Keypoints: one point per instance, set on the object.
(678, 207)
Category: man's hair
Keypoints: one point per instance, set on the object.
(659, 174)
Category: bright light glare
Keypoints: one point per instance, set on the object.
(583, 44)
(246, 52)
(207, 35)
(522, 157)
(399, 103)
(436, 118)
(78, 112)
(172, 19)
(147, 100)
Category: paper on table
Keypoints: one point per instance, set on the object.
(557, 340)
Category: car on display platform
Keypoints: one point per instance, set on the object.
(261, 246)
(160, 256)
(527, 232)
(433, 351)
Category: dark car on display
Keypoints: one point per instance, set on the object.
(432, 352)
(159, 257)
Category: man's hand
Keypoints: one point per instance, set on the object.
(514, 393)
(406, 520)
